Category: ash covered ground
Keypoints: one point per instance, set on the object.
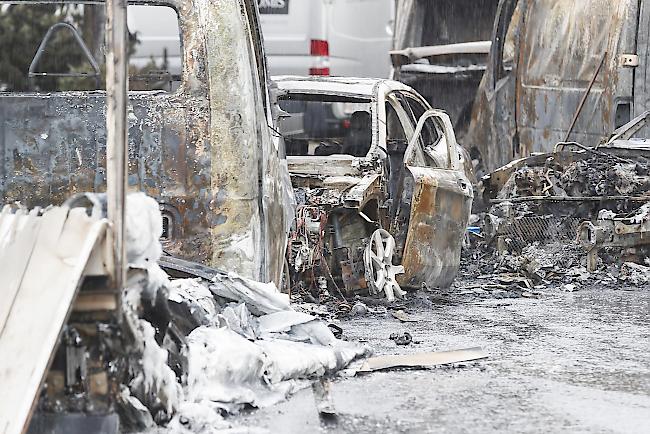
(567, 353)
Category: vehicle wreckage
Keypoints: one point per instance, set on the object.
(440, 49)
(596, 197)
(570, 81)
(191, 135)
(379, 180)
(84, 350)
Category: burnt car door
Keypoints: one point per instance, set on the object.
(432, 203)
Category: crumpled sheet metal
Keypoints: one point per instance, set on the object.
(262, 298)
(258, 359)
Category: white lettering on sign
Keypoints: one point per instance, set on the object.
(272, 3)
(274, 6)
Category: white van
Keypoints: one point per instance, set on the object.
(328, 37)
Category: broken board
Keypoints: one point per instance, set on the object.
(42, 261)
(422, 360)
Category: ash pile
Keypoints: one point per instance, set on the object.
(574, 217)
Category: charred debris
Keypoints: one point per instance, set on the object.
(565, 219)
(572, 217)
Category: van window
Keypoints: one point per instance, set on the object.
(60, 46)
(323, 125)
(445, 21)
(440, 22)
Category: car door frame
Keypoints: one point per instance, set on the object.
(433, 210)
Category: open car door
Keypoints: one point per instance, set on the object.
(435, 201)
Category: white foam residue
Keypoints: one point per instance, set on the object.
(155, 378)
(225, 367)
(254, 349)
(143, 230)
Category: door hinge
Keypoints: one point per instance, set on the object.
(628, 60)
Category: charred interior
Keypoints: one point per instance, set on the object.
(328, 244)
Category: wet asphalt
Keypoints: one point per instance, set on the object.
(564, 363)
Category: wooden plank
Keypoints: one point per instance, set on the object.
(14, 255)
(63, 244)
(423, 360)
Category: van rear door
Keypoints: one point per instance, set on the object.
(577, 55)
(360, 34)
(288, 27)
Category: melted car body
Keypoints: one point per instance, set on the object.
(368, 154)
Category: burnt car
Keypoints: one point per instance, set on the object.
(595, 198)
(379, 180)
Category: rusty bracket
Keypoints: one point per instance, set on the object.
(616, 232)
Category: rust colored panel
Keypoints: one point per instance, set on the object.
(440, 212)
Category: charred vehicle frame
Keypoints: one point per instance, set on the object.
(398, 170)
(187, 148)
(594, 197)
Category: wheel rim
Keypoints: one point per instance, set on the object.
(378, 260)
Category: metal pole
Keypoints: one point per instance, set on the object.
(117, 134)
(584, 97)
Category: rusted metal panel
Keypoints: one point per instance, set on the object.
(440, 210)
(205, 151)
(550, 87)
(539, 73)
